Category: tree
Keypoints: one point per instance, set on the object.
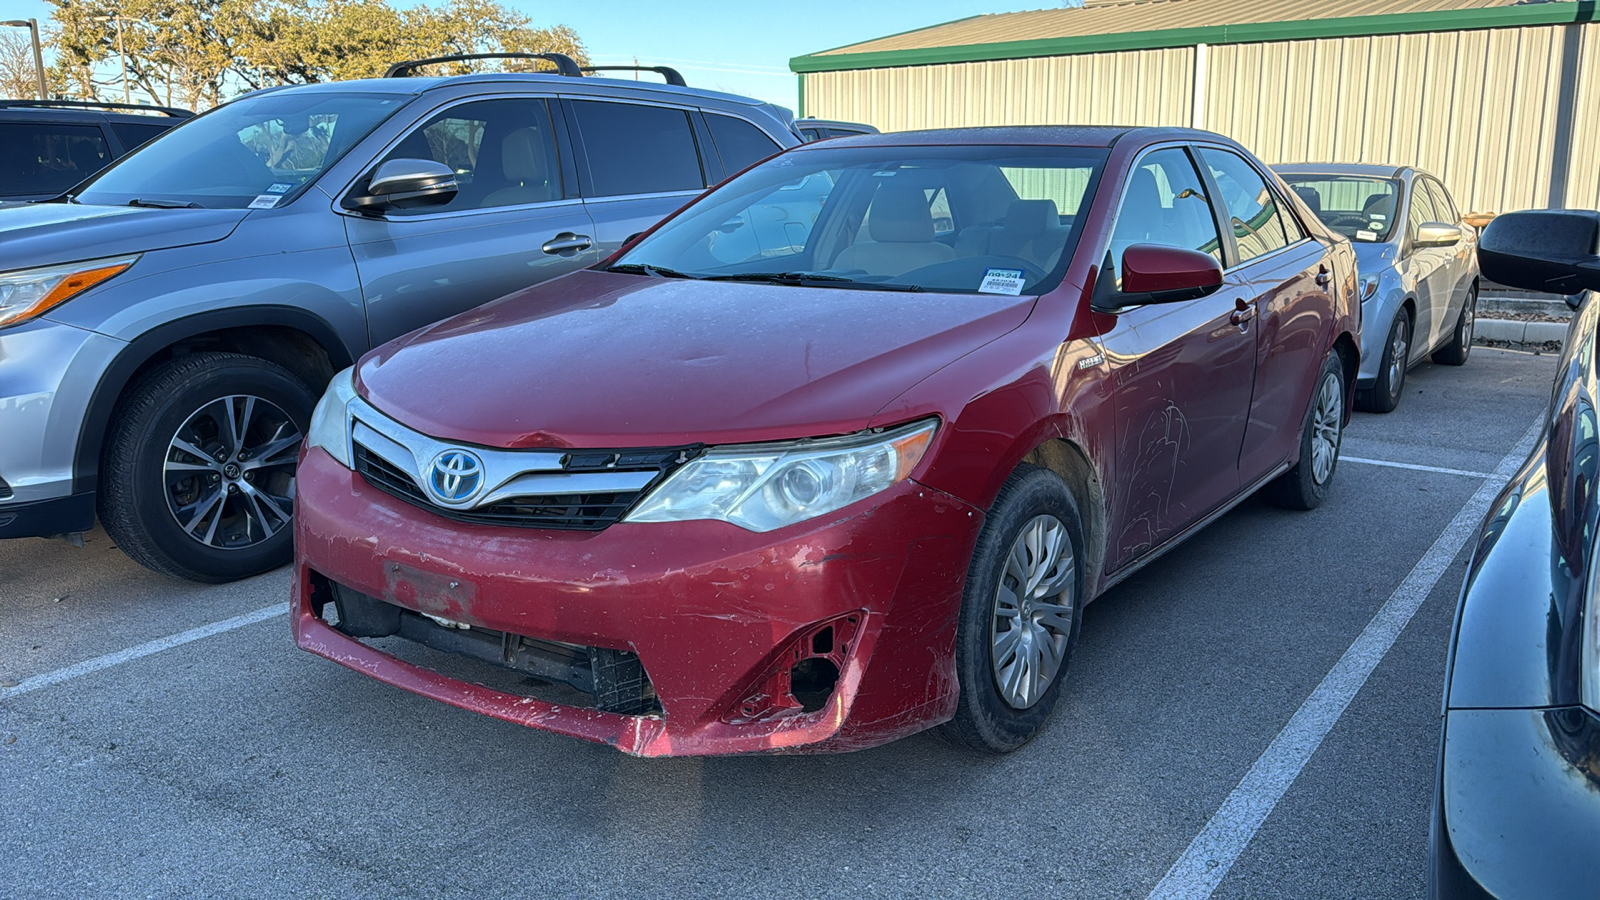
(17, 78)
(207, 50)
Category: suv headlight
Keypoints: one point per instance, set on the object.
(330, 421)
(762, 487)
(27, 293)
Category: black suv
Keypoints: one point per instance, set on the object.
(47, 146)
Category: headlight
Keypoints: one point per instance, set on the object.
(762, 487)
(330, 421)
(1368, 286)
(30, 292)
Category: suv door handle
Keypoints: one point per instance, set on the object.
(1243, 312)
(1322, 276)
(567, 242)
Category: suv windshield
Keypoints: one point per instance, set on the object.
(1359, 207)
(254, 152)
(964, 219)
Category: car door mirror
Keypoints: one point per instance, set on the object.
(1554, 250)
(406, 183)
(1152, 273)
(1437, 234)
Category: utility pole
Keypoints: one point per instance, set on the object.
(121, 53)
(38, 56)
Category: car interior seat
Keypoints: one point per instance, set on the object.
(526, 167)
(901, 229)
(1310, 196)
(1032, 231)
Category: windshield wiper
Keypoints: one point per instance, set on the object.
(165, 204)
(646, 269)
(811, 279)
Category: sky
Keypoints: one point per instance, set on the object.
(738, 47)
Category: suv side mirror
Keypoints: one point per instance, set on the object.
(1555, 250)
(406, 183)
(1437, 234)
(1168, 274)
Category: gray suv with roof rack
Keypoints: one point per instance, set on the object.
(167, 326)
(47, 146)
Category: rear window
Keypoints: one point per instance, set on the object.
(636, 149)
(48, 159)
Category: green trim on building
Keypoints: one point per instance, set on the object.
(801, 105)
(1356, 26)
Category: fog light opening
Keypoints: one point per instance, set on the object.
(822, 642)
(811, 681)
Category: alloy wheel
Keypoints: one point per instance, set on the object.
(1399, 348)
(1033, 611)
(229, 472)
(1326, 421)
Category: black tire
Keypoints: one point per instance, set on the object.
(1305, 486)
(1456, 352)
(984, 719)
(1384, 395)
(141, 497)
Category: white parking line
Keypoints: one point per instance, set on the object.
(1412, 466)
(142, 650)
(1218, 846)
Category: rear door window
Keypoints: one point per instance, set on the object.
(739, 143)
(133, 134)
(637, 149)
(48, 158)
(1252, 208)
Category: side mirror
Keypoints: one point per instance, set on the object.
(1554, 250)
(1152, 273)
(406, 183)
(1437, 234)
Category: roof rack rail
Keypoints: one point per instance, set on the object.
(96, 104)
(672, 75)
(564, 63)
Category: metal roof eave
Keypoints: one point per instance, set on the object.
(1554, 13)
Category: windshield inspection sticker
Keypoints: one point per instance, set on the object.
(1366, 235)
(1001, 281)
(280, 189)
(265, 201)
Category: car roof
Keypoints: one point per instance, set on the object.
(1373, 170)
(1024, 135)
(419, 84)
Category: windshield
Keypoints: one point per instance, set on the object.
(951, 219)
(1359, 207)
(255, 152)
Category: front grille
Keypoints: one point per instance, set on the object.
(570, 512)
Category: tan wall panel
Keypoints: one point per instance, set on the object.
(1477, 108)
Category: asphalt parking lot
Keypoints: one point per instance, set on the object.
(1203, 735)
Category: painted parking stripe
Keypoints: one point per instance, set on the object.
(1412, 466)
(143, 650)
(1218, 846)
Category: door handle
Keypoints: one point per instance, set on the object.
(1243, 312)
(567, 243)
(1322, 276)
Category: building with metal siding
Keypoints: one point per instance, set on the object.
(1500, 98)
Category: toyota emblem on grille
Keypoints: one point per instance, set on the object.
(455, 477)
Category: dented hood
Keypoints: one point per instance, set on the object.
(599, 360)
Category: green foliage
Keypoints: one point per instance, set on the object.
(199, 52)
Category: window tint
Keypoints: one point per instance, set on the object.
(48, 159)
(738, 142)
(132, 134)
(503, 153)
(636, 149)
(1443, 206)
(1421, 208)
(1257, 223)
(1165, 203)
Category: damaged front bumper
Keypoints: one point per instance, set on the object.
(691, 638)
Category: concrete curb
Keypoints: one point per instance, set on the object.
(1517, 331)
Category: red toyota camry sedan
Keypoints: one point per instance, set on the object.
(838, 452)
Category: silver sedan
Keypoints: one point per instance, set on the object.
(1418, 265)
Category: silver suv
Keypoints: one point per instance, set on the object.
(166, 329)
